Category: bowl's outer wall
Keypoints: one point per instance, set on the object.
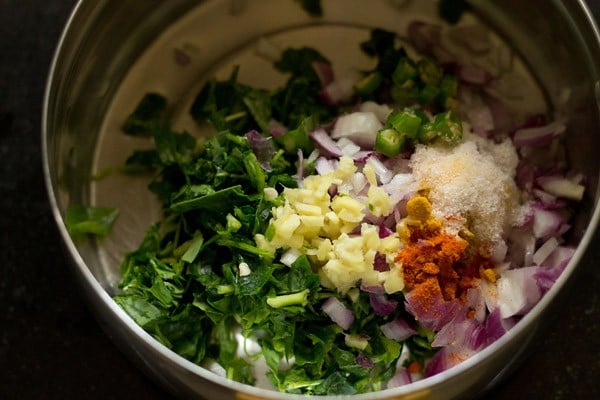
(92, 59)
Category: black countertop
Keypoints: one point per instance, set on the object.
(50, 345)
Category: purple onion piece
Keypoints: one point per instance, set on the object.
(364, 361)
(384, 231)
(397, 329)
(538, 136)
(326, 144)
(324, 72)
(375, 289)
(381, 304)
(262, 147)
(277, 129)
(496, 326)
(432, 313)
(546, 223)
(380, 263)
(401, 377)
(338, 312)
(561, 187)
(300, 169)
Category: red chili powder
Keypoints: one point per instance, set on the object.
(435, 262)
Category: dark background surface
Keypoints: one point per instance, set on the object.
(51, 346)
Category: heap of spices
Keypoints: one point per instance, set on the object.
(436, 264)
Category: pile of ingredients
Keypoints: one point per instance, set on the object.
(342, 236)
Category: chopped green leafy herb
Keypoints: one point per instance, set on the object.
(151, 110)
(312, 7)
(81, 220)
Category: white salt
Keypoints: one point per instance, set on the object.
(471, 185)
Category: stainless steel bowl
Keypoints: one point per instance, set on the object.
(91, 81)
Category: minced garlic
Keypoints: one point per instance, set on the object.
(320, 226)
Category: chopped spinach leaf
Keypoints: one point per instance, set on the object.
(312, 7)
(81, 220)
(151, 110)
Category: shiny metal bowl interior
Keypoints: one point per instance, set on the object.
(103, 39)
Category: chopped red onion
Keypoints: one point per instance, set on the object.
(400, 187)
(300, 169)
(398, 329)
(380, 110)
(401, 377)
(444, 359)
(324, 71)
(499, 251)
(360, 127)
(545, 277)
(489, 292)
(521, 247)
(381, 304)
(338, 312)
(333, 191)
(538, 136)
(359, 182)
(496, 326)
(380, 263)
(544, 251)
(383, 173)
(262, 147)
(325, 143)
(384, 231)
(373, 219)
(560, 257)
(362, 156)
(561, 187)
(526, 174)
(461, 332)
(276, 128)
(340, 90)
(546, 223)
(364, 361)
(375, 289)
(547, 200)
(476, 303)
(564, 228)
(518, 291)
(432, 312)
(399, 164)
(324, 166)
(348, 147)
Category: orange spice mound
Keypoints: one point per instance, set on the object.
(437, 263)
